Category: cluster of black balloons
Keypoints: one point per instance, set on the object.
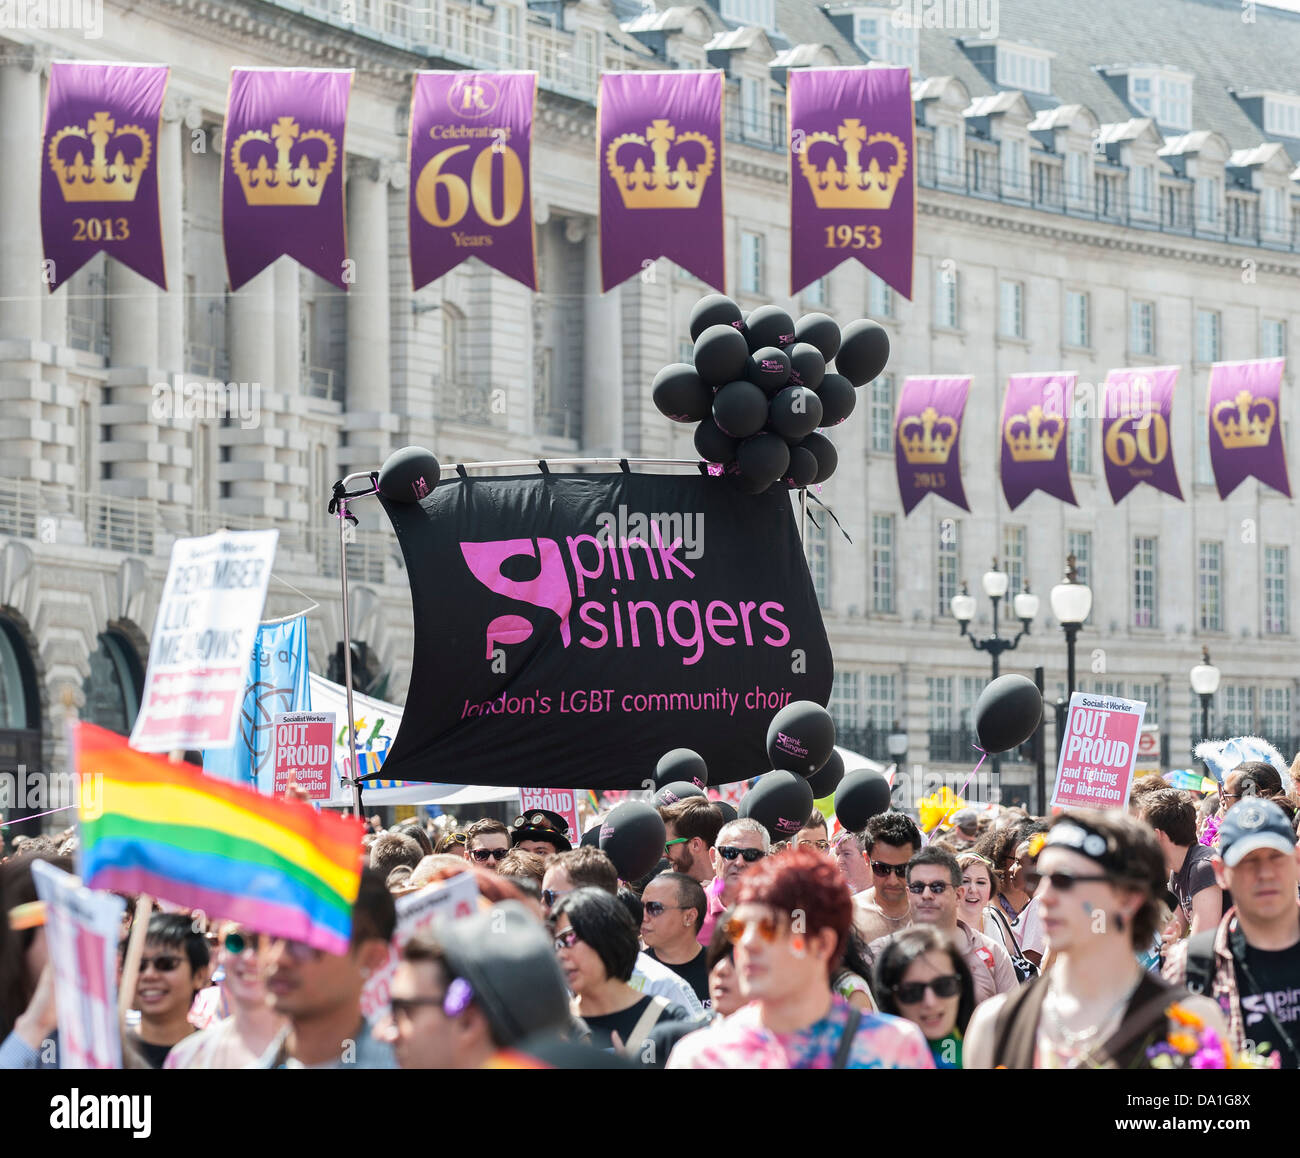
(760, 389)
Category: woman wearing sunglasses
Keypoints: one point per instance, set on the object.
(789, 929)
(921, 976)
(1099, 879)
(250, 1025)
(596, 942)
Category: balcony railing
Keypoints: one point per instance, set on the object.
(867, 740)
(207, 361)
(323, 382)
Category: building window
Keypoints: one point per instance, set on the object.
(885, 39)
(882, 564)
(1080, 443)
(947, 152)
(1166, 96)
(1013, 560)
(949, 564)
(880, 298)
(1011, 316)
(1272, 338)
(1076, 181)
(686, 352)
(1024, 70)
(750, 13)
(1079, 544)
(1238, 710)
(881, 710)
(946, 314)
(751, 263)
(1276, 617)
(1204, 464)
(1015, 166)
(1150, 695)
(1144, 582)
(817, 548)
(1209, 586)
(1273, 210)
(817, 293)
(1282, 116)
(971, 686)
(1207, 336)
(1275, 717)
(1076, 319)
(938, 690)
(1143, 179)
(112, 690)
(846, 699)
(882, 414)
(1209, 201)
(1142, 328)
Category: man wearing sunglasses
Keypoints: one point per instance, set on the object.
(173, 968)
(487, 843)
(740, 845)
(813, 834)
(933, 878)
(673, 907)
(890, 840)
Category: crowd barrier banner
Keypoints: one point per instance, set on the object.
(99, 168)
(570, 629)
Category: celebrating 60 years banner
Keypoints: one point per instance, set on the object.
(569, 630)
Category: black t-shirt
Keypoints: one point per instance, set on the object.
(155, 1055)
(624, 1022)
(1196, 874)
(1269, 984)
(694, 972)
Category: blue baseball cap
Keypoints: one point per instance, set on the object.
(1252, 824)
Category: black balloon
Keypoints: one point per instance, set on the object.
(680, 394)
(801, 737)
(769, 326)
(780, 801)
(714, 310)
(838, 399)
(740, 409)
(728, 811)
(720, 355)
(796, 412)
(807, 366)
(682, 764)
(408, 474)
(632, 836)
(763, 458)
(864, 351)
(802, 469)
(821, 331)
(712, 444)
(824, 781)
(824, 451)
(768, 369)
(860, 796)
(591, 838)
(677, 790)
(1007, 713)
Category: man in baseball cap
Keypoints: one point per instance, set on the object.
(1250, 963)
(475, 986)
(965, 829)
(541, 831)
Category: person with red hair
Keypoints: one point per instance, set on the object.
(789, 927)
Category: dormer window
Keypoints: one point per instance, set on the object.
(885, 38)
(750, 13)
(1282, 115)
(1023, 68)
(1163, 94)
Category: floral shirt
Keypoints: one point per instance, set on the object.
(740, 1042)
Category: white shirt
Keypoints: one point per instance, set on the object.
(656, 979)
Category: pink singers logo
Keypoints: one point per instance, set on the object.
(549, 590)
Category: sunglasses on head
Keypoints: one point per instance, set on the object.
(766, 927)
(913, 992)
(1061, 882)
(163, 962)
(938, 888)
(482, 855)
(237, 942)
(728, 852)
(883, 870)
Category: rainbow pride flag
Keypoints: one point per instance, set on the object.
(167, 830)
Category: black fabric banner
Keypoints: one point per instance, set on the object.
(571, 629)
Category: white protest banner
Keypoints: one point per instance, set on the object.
(82, 928)
(562, 801)
(1101, 741)
(452, 898)
(202, 638)
(304, 746)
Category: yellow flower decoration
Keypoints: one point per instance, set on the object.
(1036, 843)
(1184, 1043)
(1183, 1017)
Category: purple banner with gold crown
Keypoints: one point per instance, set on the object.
(1035, 449)
(471, 173)
(282, 177)
(99, 168)
(1135, 432)
(927, 440)
(660, 141)
(1244, 413)
(852, 173)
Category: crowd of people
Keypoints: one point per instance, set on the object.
(1163, 936)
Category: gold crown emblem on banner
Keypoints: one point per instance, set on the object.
(661, 186)
(101, 179)
(1246, 420)
(1034, 437)
(853, 187)
(927, 438)
(287, 183)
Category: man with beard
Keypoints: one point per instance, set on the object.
(691, 830)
